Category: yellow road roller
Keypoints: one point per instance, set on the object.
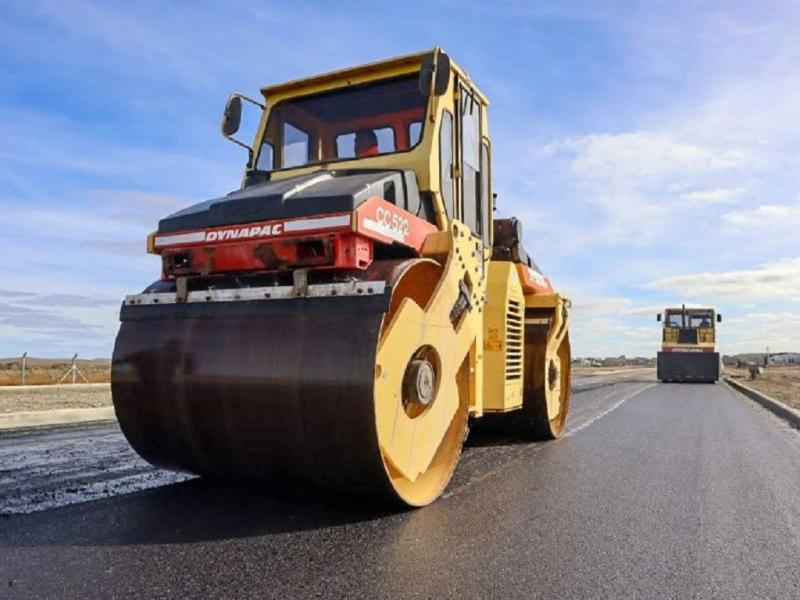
(688, 346)
(342, 315)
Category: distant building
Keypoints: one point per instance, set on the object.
(784, 358)
(586, 362)
(619, 361)
(641, 361)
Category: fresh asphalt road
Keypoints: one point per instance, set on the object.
(658, 491)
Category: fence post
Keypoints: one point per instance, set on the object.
(74, 371)
(24, 357)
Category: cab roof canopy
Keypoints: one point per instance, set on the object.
(343, 76)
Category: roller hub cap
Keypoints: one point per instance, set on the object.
(419, 383)
(553, 375)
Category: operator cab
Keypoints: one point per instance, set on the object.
(689, 325)
(690, 318)
(427, 117)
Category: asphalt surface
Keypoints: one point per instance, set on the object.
(658, 491)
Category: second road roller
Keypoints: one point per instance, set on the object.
(343, 314)
(688, 351)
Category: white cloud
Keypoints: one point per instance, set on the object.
(712, 196)
(645, 158)
(588, 306)
(777, 281)
(652, 310)
(765, 217)
(753, 332)
(638, 181)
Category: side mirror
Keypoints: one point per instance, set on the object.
(719, 318)
(232, 117)
(658, 317)
(434, 75)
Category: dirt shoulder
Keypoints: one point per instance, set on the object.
(52, 397)
(780, 383)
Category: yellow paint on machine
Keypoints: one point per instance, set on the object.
(503, 348)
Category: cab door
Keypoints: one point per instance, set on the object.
(472, 160)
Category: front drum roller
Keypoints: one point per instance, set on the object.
(361, 393)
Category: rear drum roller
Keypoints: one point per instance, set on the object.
(548, 387)
(360, 393)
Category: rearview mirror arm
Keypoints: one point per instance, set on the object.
(233, 139)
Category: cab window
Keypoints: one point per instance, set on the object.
(485, 195)
(446, 163)
(346, 142)
(295, 146)
(414, 133)
(265, 158)
(470, 120)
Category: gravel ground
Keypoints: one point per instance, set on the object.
(781, 383)
(50, 397)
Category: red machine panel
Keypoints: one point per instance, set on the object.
(337, 241)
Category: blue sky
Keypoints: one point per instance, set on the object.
(651, 149)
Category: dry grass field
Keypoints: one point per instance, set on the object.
(54, 397)
(46, 370)
(781, 383)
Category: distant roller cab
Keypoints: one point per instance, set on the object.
(688, 351)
